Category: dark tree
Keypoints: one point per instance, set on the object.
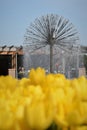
(51, 30)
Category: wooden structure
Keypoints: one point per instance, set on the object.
(11, 58)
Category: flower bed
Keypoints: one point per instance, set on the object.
(37, 102)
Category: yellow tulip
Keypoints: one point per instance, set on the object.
(74, 116)
(39, 100)
(83, 87)
(7, 118)
(37, 76)
(24, 82)
(39, 113)
(78, 128)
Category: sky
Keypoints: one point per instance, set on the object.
(16, 16)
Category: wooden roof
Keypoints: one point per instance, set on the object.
(11, 50)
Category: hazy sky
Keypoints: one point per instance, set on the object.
(16, 15)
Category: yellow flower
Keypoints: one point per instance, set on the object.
(39, 114)
(74, 116)
(37, 76)
(76, 86)
(83, 111)
(39, 100)
(7, 118)
(8, 82)
(60, 102)
(60, 80)
(24, 82)
(79, 128)
(83, 87)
